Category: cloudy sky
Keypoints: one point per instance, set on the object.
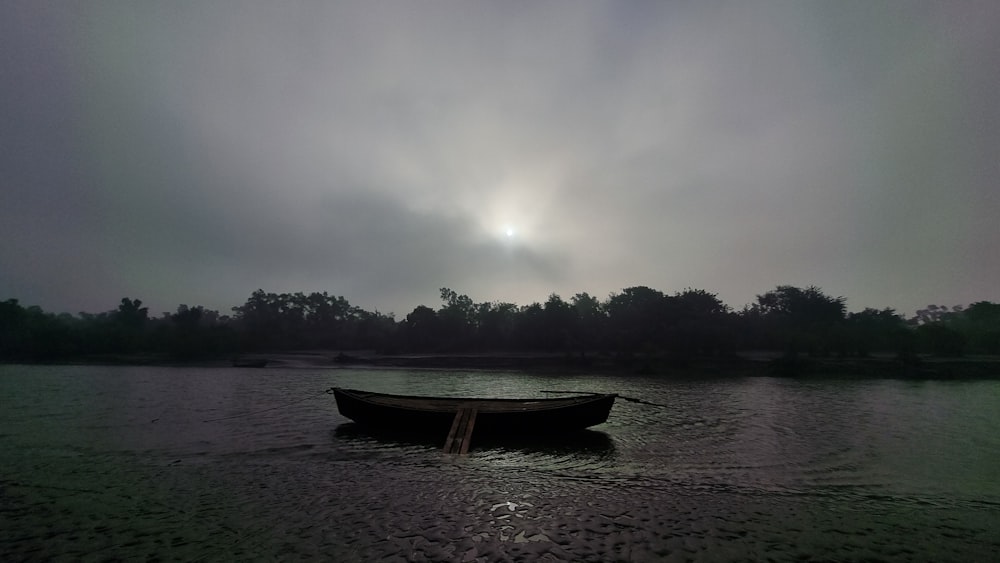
(192, 152)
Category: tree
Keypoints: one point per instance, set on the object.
(699, 323)
(802, 307)
(803, 319)
(373, 330)
(259, 319)
(530, 327)
(187, 338)
(457, 317)
(131, 313)
(128, 322)
(591, 318)
(875, 330)
(637, 318)
(422, 328)
(940, 339)
(935, 314)
(327, 319)
(979, 323)
(13, 333)
(496, 322)
(559, 322)
(29, 333)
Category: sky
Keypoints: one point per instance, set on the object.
(192, 152)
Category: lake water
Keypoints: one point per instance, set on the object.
(163, 464)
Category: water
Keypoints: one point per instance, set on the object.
(162, 464)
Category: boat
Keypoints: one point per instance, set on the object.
(520, 417)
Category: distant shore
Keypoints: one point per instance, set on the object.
(744, 364)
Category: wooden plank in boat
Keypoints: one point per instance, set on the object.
(467, 437)
(450, 440)
(460, 434)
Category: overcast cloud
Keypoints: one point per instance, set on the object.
(191, 152)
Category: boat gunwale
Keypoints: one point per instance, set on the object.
(429, 404)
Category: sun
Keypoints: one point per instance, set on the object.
(508, 235)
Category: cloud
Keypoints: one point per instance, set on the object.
(195, 152)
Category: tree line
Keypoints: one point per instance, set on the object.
(635, 321)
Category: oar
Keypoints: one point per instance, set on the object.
(629, 399)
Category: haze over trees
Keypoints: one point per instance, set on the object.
(636, 321)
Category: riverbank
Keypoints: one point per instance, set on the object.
(747, 364)
(754, 363)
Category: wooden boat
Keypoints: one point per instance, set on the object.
(493, 416)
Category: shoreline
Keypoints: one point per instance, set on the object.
(745, 364)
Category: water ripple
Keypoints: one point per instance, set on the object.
(99, 463)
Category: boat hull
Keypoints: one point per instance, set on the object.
(494, 416)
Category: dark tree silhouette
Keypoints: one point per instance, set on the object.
(874, 330)
(496, 323)
(701, 324)
(637, 319)
(196, 332)
(421, 329)
(980, 324)
(458, 320)
(32, 334)
(128, 323)
(800, 319)
(285, 321)
(560, 324)
(935, 314)
(643, 326)
(591, 325)
(940, 339)
(530, 328)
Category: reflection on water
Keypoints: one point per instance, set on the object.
(581, 448)
(202, 464)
